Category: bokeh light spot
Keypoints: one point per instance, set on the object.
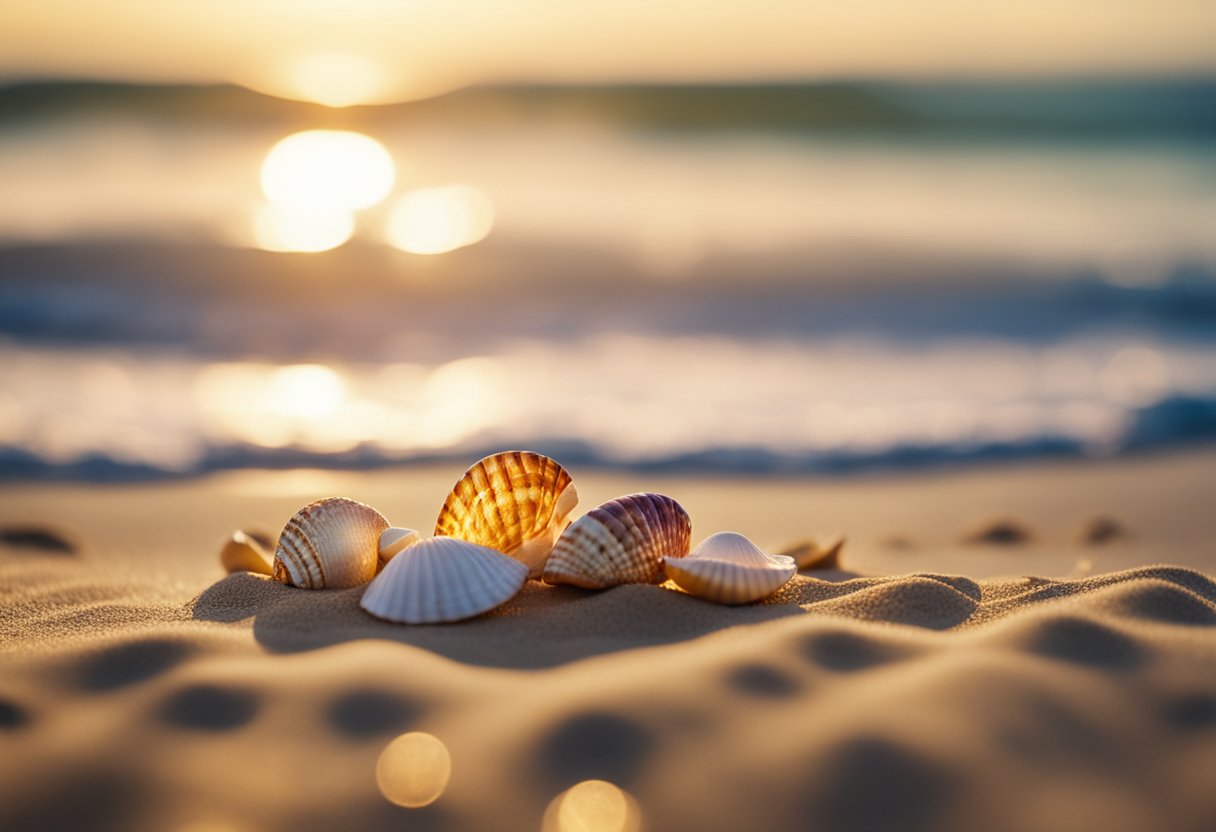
(328, 170)
(593, 806)
(436, 220)
(302, 228)
(413, 770)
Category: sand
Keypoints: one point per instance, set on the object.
(1002, 669)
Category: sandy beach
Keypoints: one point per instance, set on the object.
(360, 296)
(1021, 648)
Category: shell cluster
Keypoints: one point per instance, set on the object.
(505, 521)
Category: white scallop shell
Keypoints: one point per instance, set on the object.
(730, 569)
(516, 502)
(330, 544)
(443, 579)
(393, 540)
(242, 553)
(621, 541)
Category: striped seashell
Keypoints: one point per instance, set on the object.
(622, 541)
(730, 569)
(819, 552)
(243, 553)
(517, 502)
(330, 544)
(393, 540)
(443, 579)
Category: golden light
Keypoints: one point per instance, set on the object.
(306, 391)
(328, 170)
(593, 806)
(335, 79)
(435, 220)
(413, 770)
(276, 406)
(303, 228)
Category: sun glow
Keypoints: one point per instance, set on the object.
(335, 79)
(435, 220)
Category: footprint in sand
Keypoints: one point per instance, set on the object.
(621, 748)
(12, 716)
(205, 707)
(1000, 531)
(371, 713)
(39, 538)
(127, 664)
(763, 681)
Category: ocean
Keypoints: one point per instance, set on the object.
(793, 278)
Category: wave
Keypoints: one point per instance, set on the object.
(1177, 422)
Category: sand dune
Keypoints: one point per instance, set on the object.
(915, 702)
(144, 691)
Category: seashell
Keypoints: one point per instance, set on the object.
(622, 541)
(393, 540)
(730, 569)
(815, 554)
(243, 553)
(517, 502)
(330, 544)
(443, 579)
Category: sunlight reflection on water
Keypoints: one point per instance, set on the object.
(315, 181)
(437, 220)
(707, 393)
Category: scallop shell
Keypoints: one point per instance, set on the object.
(730, 569)
(243, 553)
(622, 541)
(330, 544)
(443, 579)
(517, 502)
(393, 541)
(815, 553)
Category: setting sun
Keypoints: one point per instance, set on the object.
(335, 79)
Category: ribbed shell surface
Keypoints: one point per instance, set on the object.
(329, 544)
(730, 569)
(621, 541)
(443, 579)
(515, 502)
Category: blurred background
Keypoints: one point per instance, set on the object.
(766, 237)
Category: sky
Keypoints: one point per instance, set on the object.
(352, 51)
